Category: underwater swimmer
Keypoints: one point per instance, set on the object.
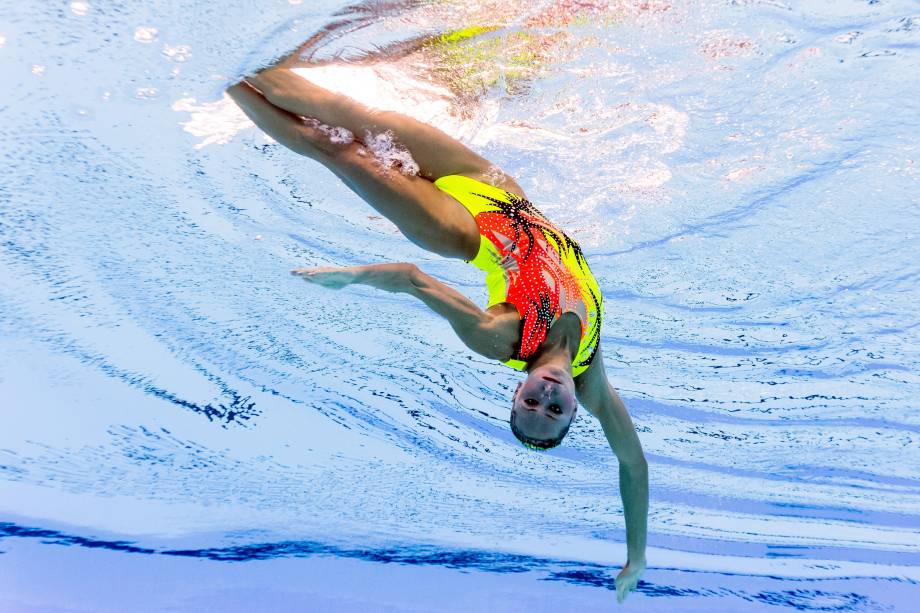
(544, 310)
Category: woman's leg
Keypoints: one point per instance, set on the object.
(424, 214)
(436, 153)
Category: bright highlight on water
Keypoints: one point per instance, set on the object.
(740, 176)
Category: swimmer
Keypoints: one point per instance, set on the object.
(544, 309)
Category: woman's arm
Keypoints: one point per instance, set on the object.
(476, 328)
(598, 396)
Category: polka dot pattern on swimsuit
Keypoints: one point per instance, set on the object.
(546, 271)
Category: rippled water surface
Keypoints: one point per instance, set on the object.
(742, 176)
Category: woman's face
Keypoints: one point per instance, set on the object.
(544, 403)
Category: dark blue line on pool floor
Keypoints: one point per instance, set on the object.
(575, 573)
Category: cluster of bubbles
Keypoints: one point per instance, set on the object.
(336, 134)
(390, 153)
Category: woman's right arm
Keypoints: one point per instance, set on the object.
(476, 328)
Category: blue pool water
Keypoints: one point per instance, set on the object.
(177, 411)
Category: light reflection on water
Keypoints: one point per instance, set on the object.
(740, 175)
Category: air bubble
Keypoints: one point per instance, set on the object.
(847, 38)
(390, 154)
(336, 134)
(177, 53)
(145, 34)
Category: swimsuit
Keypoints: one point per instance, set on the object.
(532, 264)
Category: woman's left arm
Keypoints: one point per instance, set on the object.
(598, 396)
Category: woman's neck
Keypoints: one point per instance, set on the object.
(560, 346)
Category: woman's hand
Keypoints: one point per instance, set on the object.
(629, 578)
(328, 276)
(395, 277)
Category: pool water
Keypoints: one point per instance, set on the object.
(741, 175)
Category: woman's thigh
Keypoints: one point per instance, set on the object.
(424, 214)
(428, 217)
(437, 153)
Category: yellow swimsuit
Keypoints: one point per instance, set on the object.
(532, 264)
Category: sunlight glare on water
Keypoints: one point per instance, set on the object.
(742, 176)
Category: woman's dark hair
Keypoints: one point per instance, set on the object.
(539, 444)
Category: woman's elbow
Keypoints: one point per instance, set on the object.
(635, 463)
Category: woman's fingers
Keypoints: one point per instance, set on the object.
(623, 588)
(304, 272)
(325, 276)
(627, 581)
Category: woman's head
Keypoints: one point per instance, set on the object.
(543, 407)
